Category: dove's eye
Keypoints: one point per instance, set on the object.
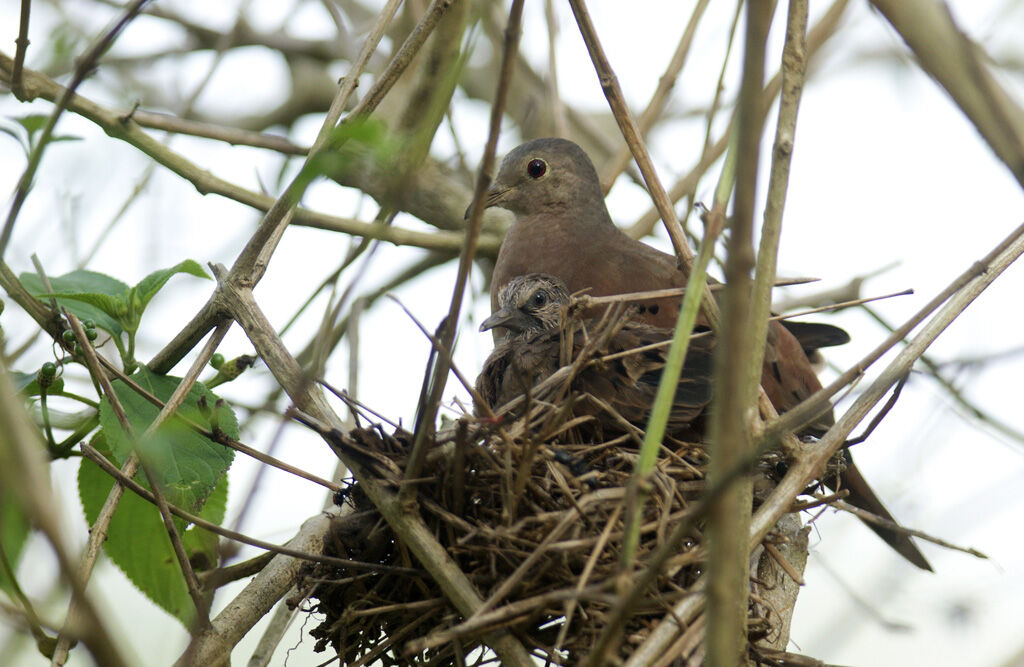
(536, 168)
(539, 299)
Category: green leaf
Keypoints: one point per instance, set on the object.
(27, 384)
(32, 122)
(87, 294)
(188, 464)
(115, 307)
(141, 294)
(14, 528)
(77, 282)
(347, 143)
(201, 545)
(28, 132)
(138, 543)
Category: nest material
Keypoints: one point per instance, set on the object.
(534, 517)
(558, 506)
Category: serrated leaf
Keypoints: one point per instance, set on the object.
(188, 464)
(201, 545)
(14, 529)
(141, 294)
(78, 283)
(139, 545)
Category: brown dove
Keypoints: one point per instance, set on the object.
(530, 313)
(562, 228)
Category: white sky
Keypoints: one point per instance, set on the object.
(886, 170)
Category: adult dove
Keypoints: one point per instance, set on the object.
(562, 227)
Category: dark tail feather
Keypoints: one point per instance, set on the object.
(863, 497)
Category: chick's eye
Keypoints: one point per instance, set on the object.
(536, 168)
(540, 298)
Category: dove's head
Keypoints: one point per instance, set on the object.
(528, 304)
(549, 176)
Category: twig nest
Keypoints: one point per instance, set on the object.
(537, 527)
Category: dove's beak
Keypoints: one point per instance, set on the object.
(511, 319)
(494, 196)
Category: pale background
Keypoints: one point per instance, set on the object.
(886, 170)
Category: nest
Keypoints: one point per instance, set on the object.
(534, 516)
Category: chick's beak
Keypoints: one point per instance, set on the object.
(507, 318)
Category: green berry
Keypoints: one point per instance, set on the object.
(49, 369)
(89, 324)
(91, 334)
(79, 352)
(217, 360)
(68, 336)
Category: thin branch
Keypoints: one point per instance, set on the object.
(21, 43)
(631, 133)
(443, 351)
(559, 120)
(85, 67)
(841, 305)
(657, 422)
(794, 67)
(586, 301)
(100, 527)
(935, 371)
(736, 356)
(847, 292)
(774, 552)
(812, 459)
(214, 645)
(414, 270)
(819, 401)
(251, 262)
(234, 136)
(666, 82)
(25, 473)
(119, 126)
(279, 623)
(352, 78)
(960, 66)
(816, 38)
(410, 47)
(864, 515)
(25, 607)
(426, 412)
